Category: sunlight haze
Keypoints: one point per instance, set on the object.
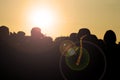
(61, 17)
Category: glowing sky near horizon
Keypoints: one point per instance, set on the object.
(68, 16)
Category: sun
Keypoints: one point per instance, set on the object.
(41, 17)
(45, 17)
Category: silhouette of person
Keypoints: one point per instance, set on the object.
(36, 33)
(21, 34)
(110, 49)
(83, 31)
(4, 32)
(110, 38)
(73, 37)
(88, 36)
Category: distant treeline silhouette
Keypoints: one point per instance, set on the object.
(36, 57)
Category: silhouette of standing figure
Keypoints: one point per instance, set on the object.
(110, 51)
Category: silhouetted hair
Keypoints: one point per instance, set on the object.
(36, 32)
(110, 37)
(83, 31)
(73, 35)
(21, 33)
(4, 30)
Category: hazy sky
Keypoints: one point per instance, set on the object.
(69, 16)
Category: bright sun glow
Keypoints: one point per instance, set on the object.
(44, 17)
(41, 17)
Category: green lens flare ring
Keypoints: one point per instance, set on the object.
(72, 60)
(71, 54)
(67, 48)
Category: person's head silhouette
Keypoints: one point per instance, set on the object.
(4, 31)
(21, 34)
(110, 37)
(36, 32)
(82, 32)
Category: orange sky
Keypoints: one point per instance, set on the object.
(69, 16)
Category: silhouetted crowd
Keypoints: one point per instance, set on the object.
(37, 57)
